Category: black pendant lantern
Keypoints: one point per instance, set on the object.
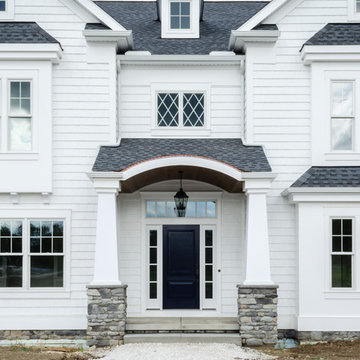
(181, 200)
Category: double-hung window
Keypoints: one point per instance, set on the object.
(32, 253)
(342, 253)
(184, 109)
(20, 116)
(342, 115)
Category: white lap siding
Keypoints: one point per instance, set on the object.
(81, 122)
(281, 119)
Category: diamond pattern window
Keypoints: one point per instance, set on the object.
(180, 15)
(181, 109)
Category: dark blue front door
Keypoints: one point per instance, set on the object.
(181, 267)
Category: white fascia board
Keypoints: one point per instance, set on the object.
(330, 53)
(52, 52)
(239, 38)
(338, 194)
(264, 13)
(105, 175)
(123, 39)
(102, 15)
(143, 59)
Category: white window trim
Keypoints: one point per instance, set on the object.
(340, 212)
(9, 13)
(6, 77)
(181, 130)
(192, 32)
(354, 117)
(154, 306)
(39, 215)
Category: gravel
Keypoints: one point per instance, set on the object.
(184, 352)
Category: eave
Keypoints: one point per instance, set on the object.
(330, 53)
(239, 38)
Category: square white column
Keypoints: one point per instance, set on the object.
(257, 270)
(106, 269)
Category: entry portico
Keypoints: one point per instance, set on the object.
(138, 166)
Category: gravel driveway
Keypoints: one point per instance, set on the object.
(184, 352)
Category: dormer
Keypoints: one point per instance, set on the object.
(179, 18)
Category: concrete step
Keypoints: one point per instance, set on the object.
(182, 338)
(182, 323)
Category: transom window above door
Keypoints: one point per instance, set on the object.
(185, 109)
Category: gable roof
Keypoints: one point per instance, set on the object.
(219, 18)
(230, 151)
(337, 34)
(329, 176)
(24, 33)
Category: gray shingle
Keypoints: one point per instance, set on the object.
(337, 34)
(266, 27)
(96, 26)
(330, 176)
(219, 19)
(24, 33)
(230, 151)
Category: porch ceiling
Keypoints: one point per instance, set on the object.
(209, 176)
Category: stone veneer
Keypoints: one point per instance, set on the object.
(106, 315)
(42, 334)
(257, 314)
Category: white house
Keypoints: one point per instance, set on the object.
(107, 108)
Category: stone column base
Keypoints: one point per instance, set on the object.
(106, 314)
(257, 314)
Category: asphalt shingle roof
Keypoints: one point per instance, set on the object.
(24, 33)
(337, 34)
(230, 151)
(219, 18)
(330, 176)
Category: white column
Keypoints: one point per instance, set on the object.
(106, 271)
(257, 239)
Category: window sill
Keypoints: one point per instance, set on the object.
(19, 156)
(11, 293)
(177, 132)
(343, 155)
(346, 294)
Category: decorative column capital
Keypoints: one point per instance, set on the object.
(257, 183)
(106, 183)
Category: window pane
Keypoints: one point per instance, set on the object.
(5, 228)
(153, 272)
(208, 238)
(11, 271)
(20, 134)
(2, 5)
(35, 245)
(17, 245)
(153, 238)
(150, 208)
(5, 245)
(170, 212)
(200, 209)
(58, 228)
(342, 99)
(25, 89)
(357, 6)
(46, 245)
(341, 271)
(208, 255)
(25, 107)
(58, 246)
(347, 243)
(185, 8)
(347, 227)
(185, 22)
(46, 228)
(208, 273)
(190, 209)
(15, 106)
(47, 271)
(16, 229)
(153, 291)
(193, 109)
(35, 228)
(175, 8)
(342, 134)
(211, 209)
(175, 22)
(168, 109)
(15, 89)
(160, 209)
(153, 256)
(208, 290)
(336, 243)
(336, 226)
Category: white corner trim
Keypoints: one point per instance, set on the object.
(123, 39)
(265, 12)
(239, 39)
(103, 16)
(51, 52)
(329, 53)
